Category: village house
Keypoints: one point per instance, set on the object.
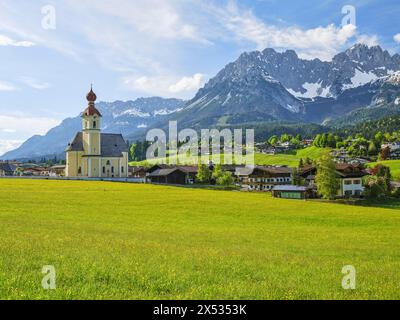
(307, 174)
(94, 154)
(341, 156)
(394, 150)
(265, 148)
(260, 178)
(350, 177)
(31, 171)
(7, 169)
(285, 147)
(138, 174)
(307, 143)
(57, 171)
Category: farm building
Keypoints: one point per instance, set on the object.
(154, 174)
(168, 176)
(290, 192)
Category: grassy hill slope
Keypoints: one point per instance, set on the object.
(291, 160)
(394, 166)
(126, 241)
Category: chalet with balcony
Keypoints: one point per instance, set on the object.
(263, 178)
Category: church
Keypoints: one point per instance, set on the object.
(92, 154)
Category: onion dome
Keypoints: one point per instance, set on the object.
(91, 109)
(91, 96)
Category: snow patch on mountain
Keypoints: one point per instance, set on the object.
(292, 108)
(165, 112)
(360, 78)
(394, 78)
(313, 90)
(228, 97)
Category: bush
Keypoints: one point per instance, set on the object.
(375, 188)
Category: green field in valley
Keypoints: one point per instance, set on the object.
(127, 241)
(291, 160)
(394, 166)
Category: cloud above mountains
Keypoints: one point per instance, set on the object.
(7, 86)
(165, 85)
(146, 41)
(6, 41)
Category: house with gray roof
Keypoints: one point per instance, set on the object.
(7, 169)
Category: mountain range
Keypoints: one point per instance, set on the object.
(260, 87)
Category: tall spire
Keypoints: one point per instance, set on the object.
(91, 109)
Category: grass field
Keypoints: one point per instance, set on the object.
(114, 240)
(291, 160)
(394, 166)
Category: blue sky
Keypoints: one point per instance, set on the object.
(50, 51)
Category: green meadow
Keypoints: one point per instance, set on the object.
(129, 241)
(394, 166)
(291, 160)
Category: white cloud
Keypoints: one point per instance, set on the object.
(27, 126)
(8, 130)
(34, 83)
(144, 41)
(320, 42)
(166, 86)
(8, 145)
(6, 41)
(188, 84)
(397, 38)
(6, 86)
(155, 18)
(370, 41)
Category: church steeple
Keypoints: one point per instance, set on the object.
(91, 109)
(91, 125)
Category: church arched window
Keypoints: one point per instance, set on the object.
(94, 124)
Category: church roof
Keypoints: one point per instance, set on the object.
(76, 144)
(112, 145)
